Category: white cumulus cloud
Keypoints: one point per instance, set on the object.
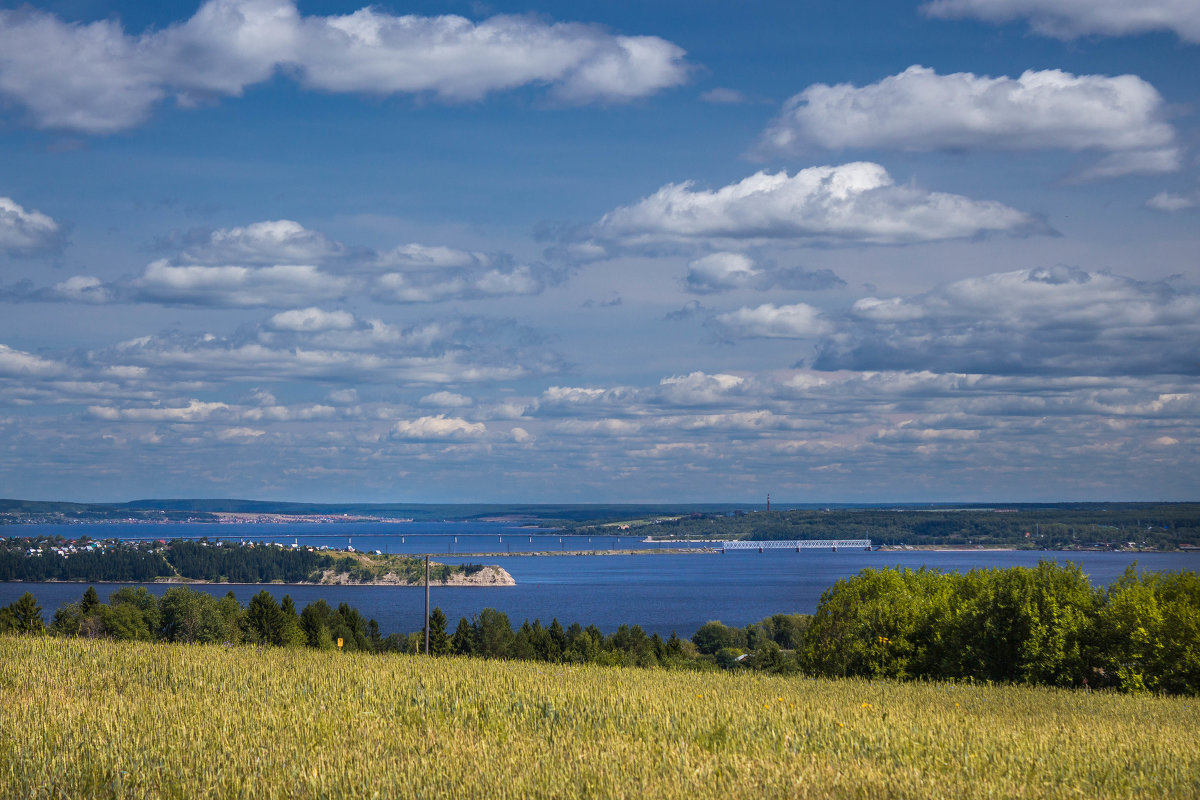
(194, 411)
(919, 109)
(279, 263)
(95, 78)
(81, 289)
(442, 352)
(444, 284)
(236, 286)
(437, 428)
(311, 320)
(856, 202)
(798, 321)
(700, 388)
(25, 232)
(17, 364)
(282, 241)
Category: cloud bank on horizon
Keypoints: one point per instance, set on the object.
(248, 249)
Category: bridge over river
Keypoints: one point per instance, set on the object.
(797, 544)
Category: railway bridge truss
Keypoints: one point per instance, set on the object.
(797, 544)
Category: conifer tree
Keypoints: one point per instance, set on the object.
(89, 602)
(463, 641)
(439, 641)
(28, 614)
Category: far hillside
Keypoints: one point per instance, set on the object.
(1162, 526)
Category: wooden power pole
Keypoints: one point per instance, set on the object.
(426, 605)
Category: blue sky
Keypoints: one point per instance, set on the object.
(697, 251)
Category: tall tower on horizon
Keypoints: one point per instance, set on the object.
(768, 501)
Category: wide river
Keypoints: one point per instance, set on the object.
(661, 592)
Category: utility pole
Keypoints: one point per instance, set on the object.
(426, 605)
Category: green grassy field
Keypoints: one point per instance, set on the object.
(83, 718)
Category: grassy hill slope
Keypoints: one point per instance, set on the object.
(101, 719)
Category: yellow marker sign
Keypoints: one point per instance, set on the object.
(339, 643)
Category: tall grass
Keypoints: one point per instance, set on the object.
(81, 718)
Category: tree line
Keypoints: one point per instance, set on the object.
(133, 562)
(185, 615)
(143, 562)
(1034, 625)
(1153, 526)
(182, 614)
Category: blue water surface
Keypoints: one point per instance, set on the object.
(661, 592)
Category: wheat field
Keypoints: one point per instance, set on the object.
(82, 718)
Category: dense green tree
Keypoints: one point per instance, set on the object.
(1148, 633)
(584, 645)
(493, 634)
(374, 637)
(558, 640)
(414, 643)
(520, 645)
(231, 612)
(349, 626)
(1031, 625)
(786, 630)
(394, 643)
(27, 615)
(713, 635)
(89, 602)
(263, 621)
(545, 648)
(876, 623)
(66, 620)
(1179, 657)
(315, 622)
(124, 621)
(268, 622)
(439, 641)
(768, 657)
(631, 646)
(727, 658)
(190, 616)
(1017, 625)
(462, 643)
(140, 598)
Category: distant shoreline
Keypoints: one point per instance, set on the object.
(176, 581)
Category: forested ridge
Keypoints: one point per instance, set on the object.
(57, 559)
(1148, 525)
